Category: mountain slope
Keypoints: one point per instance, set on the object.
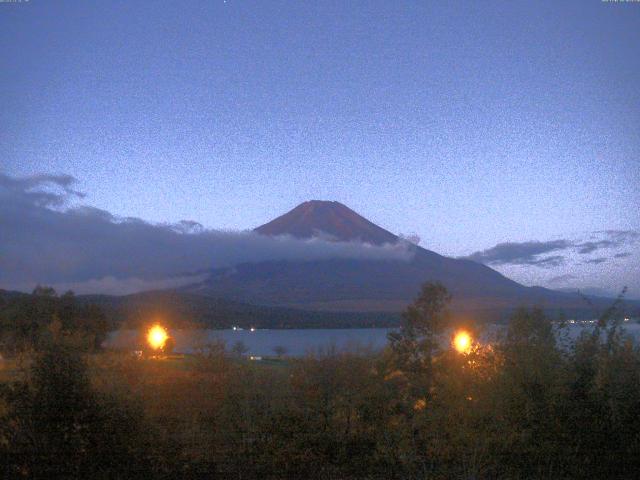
(370, 285)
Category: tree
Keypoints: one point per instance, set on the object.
(26, 321)
(527, 392)
(604, 399)
(239, 348)
(56, 426)
(280, 351)
(416, 342)
(43, 291)
(169, 346)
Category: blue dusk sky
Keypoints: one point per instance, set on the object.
(507, 131)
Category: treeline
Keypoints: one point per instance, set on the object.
(23, 316)
(523, 406)
(182, 310)
(26, 321)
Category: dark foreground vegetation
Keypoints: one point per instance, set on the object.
(520, 407)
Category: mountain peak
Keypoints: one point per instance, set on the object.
(321, 218)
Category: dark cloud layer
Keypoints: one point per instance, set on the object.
(532, 252)
(597, 261)
(589, 247)
(525, 253)
(42, 240)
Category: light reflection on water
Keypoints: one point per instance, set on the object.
(297, 342)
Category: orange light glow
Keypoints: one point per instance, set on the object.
(462, 342)
(157, 337)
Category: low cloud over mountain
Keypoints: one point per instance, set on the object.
(46, 239)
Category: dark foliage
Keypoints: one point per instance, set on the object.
(520, 406)
(26, 321)
(57, 426)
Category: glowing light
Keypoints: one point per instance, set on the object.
(462, 342)
(420, 404)
(157, 337)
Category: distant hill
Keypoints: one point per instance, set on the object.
(185, 310)
(374, 285)
(5, 294)
(182, 310)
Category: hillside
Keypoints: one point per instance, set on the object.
(182, 310)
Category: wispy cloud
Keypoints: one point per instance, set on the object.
(532, 252)
(41, 190)
(613, 239)
(122, 286)
(548, 262)
(589, 247)
(561, 279)
(596, 261)
(524, 253)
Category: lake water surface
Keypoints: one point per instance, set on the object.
(263, 342)
(297, 342)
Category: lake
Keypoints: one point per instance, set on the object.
(262, 342)
(298, 342)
